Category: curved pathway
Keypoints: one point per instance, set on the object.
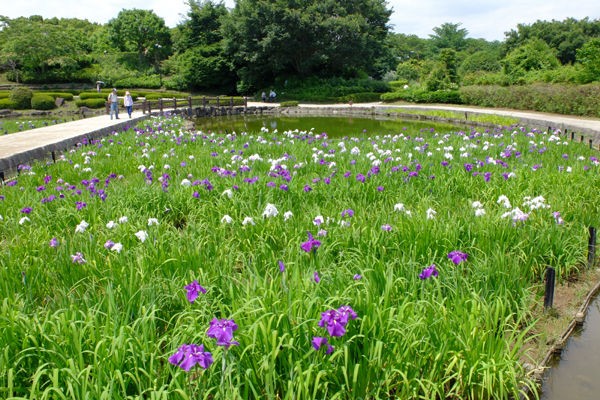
(42, 143)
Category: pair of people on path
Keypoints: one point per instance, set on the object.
(113, 99)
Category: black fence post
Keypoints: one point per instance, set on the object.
(572, 135)
(218, 102)
(174, 103)
(592, 247)
(190, 102)
(549, 293)
(160, 106)
(204, 102)
(591, 144)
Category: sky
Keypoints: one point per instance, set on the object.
(481, 18)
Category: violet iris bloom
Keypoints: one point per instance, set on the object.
(335, 321)
(457, 256)
(319, 341)
(311, 244)
(222, 330)
(429, 272)
(281, 266)
(193, 290)
(189, 355)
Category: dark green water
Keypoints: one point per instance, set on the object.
(333, 126)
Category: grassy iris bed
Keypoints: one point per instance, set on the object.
(165, 264)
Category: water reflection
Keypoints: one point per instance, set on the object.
(333, 126)
(576, 374)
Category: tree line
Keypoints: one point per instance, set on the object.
(263, 43)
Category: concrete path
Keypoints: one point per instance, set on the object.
(42, 143)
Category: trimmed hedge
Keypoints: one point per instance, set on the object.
(290, 103)
(564, 99)
(42, 102)
(93, 95)
(4, 95)
(419, 96)
(91, 103)
(64, 95)
(7, 103)
(364, 97)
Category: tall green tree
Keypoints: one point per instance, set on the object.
(589, 57)
(535, 54)
(36, 50)
(274, 39)
(142, 32)
(564, 36)
(199, 61)
(449, 36)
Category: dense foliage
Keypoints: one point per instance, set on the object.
(258, 45)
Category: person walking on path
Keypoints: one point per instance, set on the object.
(113, 99)
(128, 103)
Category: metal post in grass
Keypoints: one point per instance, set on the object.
(175, 103)
(591, 144)
(572, 135)
(160, 106)
(592, 247)
(549, 293)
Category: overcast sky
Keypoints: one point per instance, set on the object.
(481, 18)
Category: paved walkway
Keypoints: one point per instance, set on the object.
(40, 143)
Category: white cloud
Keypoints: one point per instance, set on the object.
(482, 19)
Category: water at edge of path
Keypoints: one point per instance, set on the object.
(575, 375)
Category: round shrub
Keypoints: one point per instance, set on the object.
(42, 102)
(21, 97)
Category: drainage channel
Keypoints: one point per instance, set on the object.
(575, 374)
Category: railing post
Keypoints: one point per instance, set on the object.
(549, 293)
(190, 102)
(592, 247)
(231, 102)
(572, 135)
(174, 103)
(160, 106)
(204, 102)
(245, 102)
(144, 107)
(218, 104)
(591, 144)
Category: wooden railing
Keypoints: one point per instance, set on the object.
(190, 102)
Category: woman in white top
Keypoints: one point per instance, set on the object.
(128, 103)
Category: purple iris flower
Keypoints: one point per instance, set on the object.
(429, 272)
(319, 341)
(109, 244)
(316, 277)
(335, 321)
(457, 256)
(360, 178)
(53, 242)
(222, 330)
(311, 244)
(193, 290)
(189, 355)
(468, 167)
(26, 210)
(281, 266)
(307, 188)
(348, 213)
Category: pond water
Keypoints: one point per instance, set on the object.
(333, 126)
(575, 374)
